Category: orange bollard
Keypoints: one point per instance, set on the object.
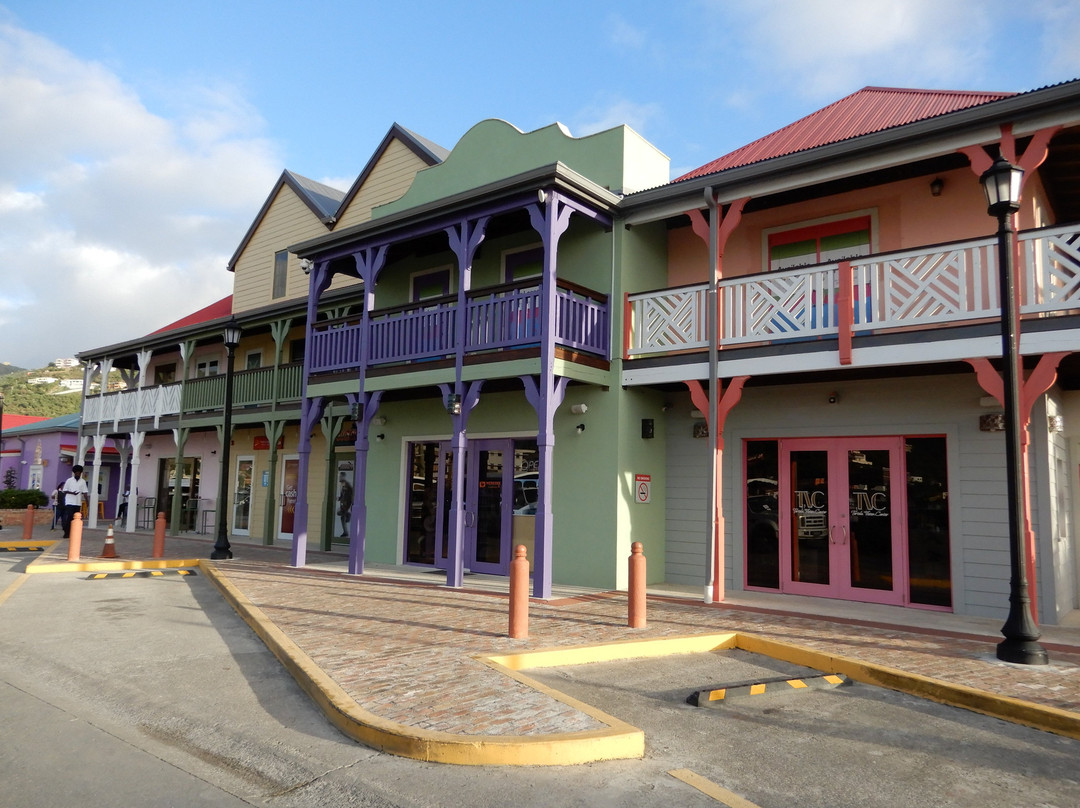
(28, 523)
(159, 536)
(75, 541)
(636, 587)
(519, 594)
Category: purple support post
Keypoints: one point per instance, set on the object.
(549, 218)
(368, 406)
(369, 263)
(465, 238)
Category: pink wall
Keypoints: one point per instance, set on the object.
(905, 215)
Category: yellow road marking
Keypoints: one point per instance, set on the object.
(833, 679)
(7, 593)
(129, 574)
(711, 789)
(757, 690)
(796, 683)
(716, 695)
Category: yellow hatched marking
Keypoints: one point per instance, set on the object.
(183, 572)
(129, 575)
(99, 575)
(711, 789)
(717, 695)
(833, 679)
(757, 690)
(156, 572)
(797, 683)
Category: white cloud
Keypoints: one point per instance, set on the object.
(623, 34)
(597, 118)
(114, 220)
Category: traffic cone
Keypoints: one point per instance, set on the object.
(110, 545)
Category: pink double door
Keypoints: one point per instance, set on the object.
(841, 507)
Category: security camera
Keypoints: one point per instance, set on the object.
(833, 398)
(305, 266)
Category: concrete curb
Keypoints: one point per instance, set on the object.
(618, 741)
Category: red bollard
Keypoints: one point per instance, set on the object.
(159, 536)
(519, 594)
(28, 523)
(75, 540)
(636, 587)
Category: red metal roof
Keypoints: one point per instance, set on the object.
(222, 308)
(11, 420)
(870, 109)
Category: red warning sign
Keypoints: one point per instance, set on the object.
(643, 488)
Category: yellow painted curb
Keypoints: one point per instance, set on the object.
(20, 545)
(1043, 717)
(617, 741)
(37, 566)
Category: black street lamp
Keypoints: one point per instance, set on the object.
(221, 545)
(1002, 185)
(1, 426)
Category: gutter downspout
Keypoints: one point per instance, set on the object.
(713, 327)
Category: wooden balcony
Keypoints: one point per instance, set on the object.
(938, 287)
(496, 318)
(251, 388)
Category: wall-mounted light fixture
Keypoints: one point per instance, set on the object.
(379, 420)
(992, 422)
(647, 428)
(937, 185)
(1055, 424)
(305, 265)
(453, 404)
(579, 409)
(354, 410)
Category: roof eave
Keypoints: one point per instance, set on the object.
(554, 175)
(946, 133)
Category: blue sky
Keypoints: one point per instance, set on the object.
(138, 140)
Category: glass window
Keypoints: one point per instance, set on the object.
(281, 265)
(432, 284)
(165, 374)
(524, 263)
(762, 514)
(929, 563)
(253, 360)
(207, 367)
(819, 243)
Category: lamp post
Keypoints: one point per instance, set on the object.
(1002, 183)
(221, 545)
(1, 427)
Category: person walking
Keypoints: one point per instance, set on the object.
(75, 492)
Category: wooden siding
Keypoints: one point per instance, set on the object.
(978, 532)
(287, 221)
(389, 179)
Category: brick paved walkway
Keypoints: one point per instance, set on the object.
(405, 651)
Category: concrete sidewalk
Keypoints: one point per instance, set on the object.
(400, 662)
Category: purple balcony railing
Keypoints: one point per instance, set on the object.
(496, 318)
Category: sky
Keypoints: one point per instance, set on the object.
(139, 140)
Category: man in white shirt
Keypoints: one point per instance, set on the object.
(75, 492)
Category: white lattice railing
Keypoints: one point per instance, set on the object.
(147, 402)
(940, 285)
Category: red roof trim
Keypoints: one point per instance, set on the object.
(871, 109)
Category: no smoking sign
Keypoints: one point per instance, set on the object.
(643, 488)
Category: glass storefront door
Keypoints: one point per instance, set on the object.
(241, 522)
(500, 502)
(840, 522)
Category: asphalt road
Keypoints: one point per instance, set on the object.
(153, 692)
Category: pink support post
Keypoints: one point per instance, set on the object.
(519, 594)
(75, 537)
(159, 536)
(636, 587)
(28, 523)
